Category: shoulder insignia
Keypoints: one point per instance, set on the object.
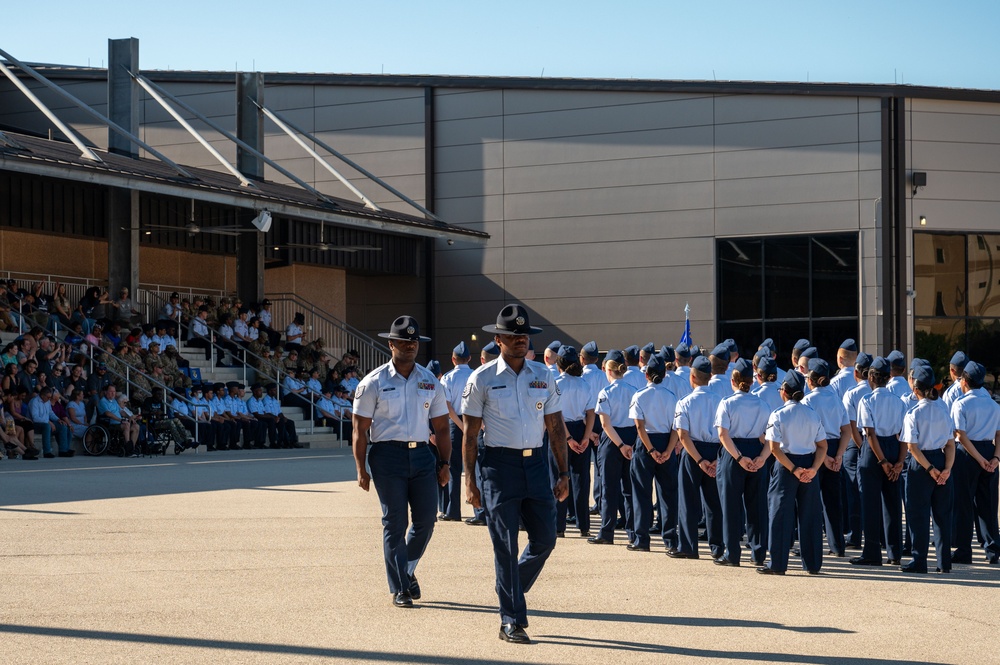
(467, 390)
(359, 391)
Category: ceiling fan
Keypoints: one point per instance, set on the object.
(193, 229)
(323, 246)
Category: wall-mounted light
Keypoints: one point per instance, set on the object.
(918, 179)
(923, 221)
(473, 337)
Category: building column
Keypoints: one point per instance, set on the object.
(123, 204)
(250, 129)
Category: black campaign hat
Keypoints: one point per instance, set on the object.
(512, 320)
(405, 328)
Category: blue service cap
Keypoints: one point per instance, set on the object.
(880, 365)
(769, 343)
(917, 362)
(632, 353)
(667, 353)
(731, 345)
(695, 350)
(863, 362)
(896, 358)
(683, 350)
(976, 372)
(745, 368)
(793, 382)
(923, 374)
(721, 351)
(615, 355)
(566, 351)
(819, 366)
(849, 345)
(656, 365)
(959, 359)
(590, 350)
(810, 353)
(649, 349)
(460, 351)
(801, 345)
(702, 364)
(554, 346)
(491, 349)
(767, 366)
(761, 354)
(435, 367)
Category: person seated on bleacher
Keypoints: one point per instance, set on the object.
(86, 309)
(313, 383)
(76, 413)
(114, 333)
(224, 337)
(97, 384)
(349, 359)
(333, 413)
(28, 378)
(75, 380)
(152, 358)
(287, 437)
(170, 360)
(146, 338)
(6, 320)
(41, 306)
(154, 409)
(241, 329)
(215, 394)
(58, 378)
(258, 341)
(291, 361)
(9, 355)
(46, 423)
(10, 381)
(171, 310)
(110, 414)
(16, 404)
(124, 307)
(296, 394)
(61, 308)
(253, 432)
(12, 436)
(209, 432)
(201, 337)
(271, 336)
(295, 334)
(350, 381)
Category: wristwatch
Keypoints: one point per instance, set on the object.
(442, 464)
(564, 474)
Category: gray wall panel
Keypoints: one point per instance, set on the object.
(537, 101)
(592, 284)
(340, 94)
(608, 201)
(788, 133)
(786, 189)
(473, 131)
(618, 173)
(793, 218)
(839, 157)
(622, 255)
(962, 128)
(944, 156)
(469, 157)
(466, 104)
(626, 145)
(608, 228)
(755, 108)
(461, 209)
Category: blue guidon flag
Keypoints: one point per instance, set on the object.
(686, 337)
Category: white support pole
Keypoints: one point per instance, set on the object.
(315, 155)
(192, 131)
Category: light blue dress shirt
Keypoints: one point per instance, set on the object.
(795, 428)
(745, 415)
(655, 405)
(614, 401)
(721, 385)
(696, 414)
(454, 383)
(830, 409)
(927, 426)
(597, 380)
(513, 406)
(634, 377)
(977, 415)
(852, 399)
(398, 406)
(883, 411)
(898, 386)
(575, 395)
(843, 381)
(770, 394)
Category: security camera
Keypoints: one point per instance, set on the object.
(451, 242)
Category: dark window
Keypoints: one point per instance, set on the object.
(787, 288)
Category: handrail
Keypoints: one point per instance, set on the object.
(336, 333)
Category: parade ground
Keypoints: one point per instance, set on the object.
(276, 557)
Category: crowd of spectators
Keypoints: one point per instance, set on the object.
(57, 374)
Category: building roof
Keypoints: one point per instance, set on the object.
(44, 157)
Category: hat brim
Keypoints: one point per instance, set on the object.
(532, 330)
(418, 338)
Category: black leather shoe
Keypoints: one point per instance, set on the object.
(560, 534)
(861, 561)
(594, 511)
(839, 555)
(596, 540)
(767, 570)
(677, 554)
(723, 561)
(637, 548)
(912, 568)
(813, 572)
(414, 588)
(48, 455)
(511, 632)
(946, 570)
(960, 559)
(893, 562)
(671, 550)
(445, 518)
(585, 534)
(476, 521)
(853, 546)
(402, 599)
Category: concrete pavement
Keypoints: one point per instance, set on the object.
(276, 557)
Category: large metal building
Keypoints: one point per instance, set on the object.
(774, 210)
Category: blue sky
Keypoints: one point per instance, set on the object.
(952, 44)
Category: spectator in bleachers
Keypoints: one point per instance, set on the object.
(134, 336)
(86, 309)
(180, 410)
(58, 379)
(9, 355)
(154, 410)
(201, 336)
(123, 308)
(16, 405)
(75, 337)
(46, 423)
(224, 336)
(10, 381)
(187, 312)
(295, 393)
(75, 380)
(350, 381)
(214, 393)
(295, 334)
(13, 434)
(6, 320)
(349, 359)
(111, 414)
(273, 337)
(95, 337)
(26, 347)
(209, 431)
(285, 428)
(170, 360)
(146, 338)
(76, 412)
(114, 333)
(171, 311)
(336, 412)
(291, 361)
(224, 307)
(61, 307)
(95, 387)
(15, 295)
(241, 329)
(28, 378)
(42, 306)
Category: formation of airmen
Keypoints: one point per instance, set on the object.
(685, 448)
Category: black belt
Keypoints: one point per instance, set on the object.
(401, 444)
(515, 452)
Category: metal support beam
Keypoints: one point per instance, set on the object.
(249, 261)
(354, 165)
(94, 114)
(123, 239)
(249, 124)
(191, 130)
(886, 290)
(85, 152)
(903, 307)
(123, 94)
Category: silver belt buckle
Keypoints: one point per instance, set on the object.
(527, 452)
(411, 444)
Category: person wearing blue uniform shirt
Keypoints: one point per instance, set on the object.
(767, 384)
(590, 359)
(898, 385)
(578, 415)
(828, 406)
(976, 418)
(742, 421)
(797, 349)
(488, 353)
(880, 418)
(852, 487)
(679, 385)
(768, 347)
(698, 491)
(615, 449)
(682, 358)
(549, 356)
(516, 399)
(633, 373)
(654, 461)
(392, 406)
(201, 412)
(955, 368)
(645, 353)
(844, 379)
(797, 440)
(929, 435)
(453, 383)
(720, 382)
(435, 368)
(287, 437)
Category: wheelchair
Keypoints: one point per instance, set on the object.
(153, 439)
(102, 438)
